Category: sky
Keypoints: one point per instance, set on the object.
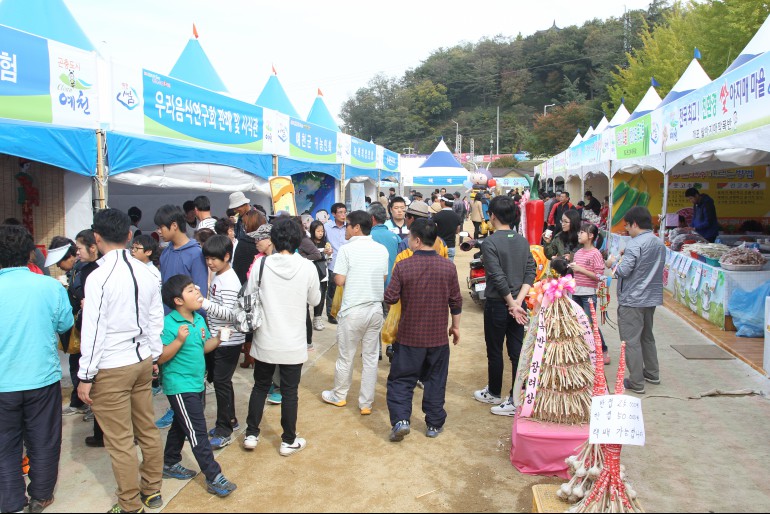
(336, 46)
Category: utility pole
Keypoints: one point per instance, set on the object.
(473, 150)
(545, 108)
(457, 137)
(491, 145)
(498, 131)
(459, 148)
(408, 150)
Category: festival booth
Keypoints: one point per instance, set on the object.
(49, 111)
(441, 169)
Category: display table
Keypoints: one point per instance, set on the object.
(541, 448)
(704, 289)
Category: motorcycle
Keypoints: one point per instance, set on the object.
(477, 276)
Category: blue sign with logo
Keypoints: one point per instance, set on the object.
(389, 160)
(179, 110)
(24, 68)
(311, 142)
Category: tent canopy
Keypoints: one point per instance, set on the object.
(440, 169)
(602, 125)
(274, 97)
(319, 114)
(578, 139)
(50, 19)
(648, 104)
(758, 45)
(621, 116)
(693, 78)
(194, 66)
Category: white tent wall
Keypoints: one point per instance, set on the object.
(370, 188)
(78, 204)
(598, 184)
(573, 186)
(150, 198)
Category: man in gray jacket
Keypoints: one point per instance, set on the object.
(640, 290)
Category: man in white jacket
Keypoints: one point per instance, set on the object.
(120, 341)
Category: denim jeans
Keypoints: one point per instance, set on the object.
(583, 302)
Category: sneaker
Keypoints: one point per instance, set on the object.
(504, 409)
(209, 388)
(318, 323)
(117, 508)
(213, 432)
(166, 421)
(484, 396)
(250, 442)
(420, 385)
(153, 501)
(178, 472)
(218, 442)
(332, 320)
(36, 505)
(400, 430)
(310, 347)
(88, 415)
(274, 398)
(433, 432)
(94, 442)
(627, 385)
(332, 399)
(607, 359)
(289, 449)
(157, 390)
(648, 378)
(365, 411)
(220, 486)
(71, 411)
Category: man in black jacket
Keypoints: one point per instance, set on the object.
(592, 204)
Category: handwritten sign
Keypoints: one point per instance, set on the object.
(616, 419)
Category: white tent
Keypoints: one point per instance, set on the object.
(440, 169)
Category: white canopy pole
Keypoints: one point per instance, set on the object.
(664, 207)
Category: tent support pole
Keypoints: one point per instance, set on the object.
(275, 165)
(100, 181)
(664, 208)
(611, 189)
(342, 183)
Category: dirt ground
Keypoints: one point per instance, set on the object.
(710, 454)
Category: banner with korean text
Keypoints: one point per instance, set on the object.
(46, 81)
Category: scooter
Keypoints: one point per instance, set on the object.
(477, 277)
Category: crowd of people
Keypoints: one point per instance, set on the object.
(140, 314)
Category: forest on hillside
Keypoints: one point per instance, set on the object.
(584, 71)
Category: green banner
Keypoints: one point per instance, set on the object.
(632, 139)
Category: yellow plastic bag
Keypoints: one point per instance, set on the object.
(74, 342)
(337, 302)
(390, 326)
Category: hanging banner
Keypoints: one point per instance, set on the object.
(311, 142)
(632, 138)
(643, 189)
(74, 98)
(363, 154)
(314, 192)
(730, 104)
(389, 160)
(179, 110)
(46, 81)
(697, 286)
(276, 133)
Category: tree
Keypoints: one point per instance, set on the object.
(556, 130)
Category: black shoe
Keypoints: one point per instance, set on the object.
(39, 505)
(153, 501)
(332, 320)
(94, 442)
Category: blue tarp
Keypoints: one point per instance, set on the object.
(288, 167)
(71, 149)
(126, 153)
(352, 171)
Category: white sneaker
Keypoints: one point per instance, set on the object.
(318, 323)
(210, 388)
(504, 409)
(484, 396)
(297, 446)
(250, 442)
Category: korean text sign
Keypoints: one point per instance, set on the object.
(616, 419)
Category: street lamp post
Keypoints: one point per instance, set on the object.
(457, 137)
(545, 107)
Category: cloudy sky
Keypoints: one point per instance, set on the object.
(336, 46)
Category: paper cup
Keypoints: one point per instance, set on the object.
(224, 334)
(548, 233)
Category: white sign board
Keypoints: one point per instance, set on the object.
(357, 197)
(767, 335)
(616, 419)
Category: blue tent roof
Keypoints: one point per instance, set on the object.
(442, 158)
(194, 66)
(50, 19)
(319, 114)
(274, 97)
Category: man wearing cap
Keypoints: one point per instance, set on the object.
(244, 253)
(448, 224)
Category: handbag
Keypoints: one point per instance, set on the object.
(248, 306)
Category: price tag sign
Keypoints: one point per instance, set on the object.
(713, 279)
(696, 277)
(616, 419)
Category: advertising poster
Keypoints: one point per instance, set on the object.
(74, 98)
(313, 192)
(645, 189)
(312, 142)
(699, 287)
(282, 192)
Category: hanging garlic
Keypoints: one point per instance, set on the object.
(566, 489)
(581, 472)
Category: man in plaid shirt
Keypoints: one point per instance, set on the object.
(427, 286)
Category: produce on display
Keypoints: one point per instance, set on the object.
(743, 256)
(535, 210)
